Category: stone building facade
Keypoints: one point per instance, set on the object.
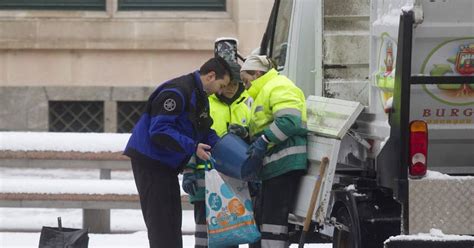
(91, 70)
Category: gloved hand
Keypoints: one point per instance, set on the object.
(238, 130)
(258, 148)
(190, 183)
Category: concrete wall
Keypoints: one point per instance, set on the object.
(93, 55)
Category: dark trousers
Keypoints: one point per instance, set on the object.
(272, 208)
(160, 200)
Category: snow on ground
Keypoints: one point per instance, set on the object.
(32, 219)
(84, 181)
(138, 239)
(20, 227)
(67, 186)
(435, 175)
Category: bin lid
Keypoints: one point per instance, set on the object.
(331, 117)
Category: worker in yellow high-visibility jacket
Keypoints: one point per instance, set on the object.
(278, 131)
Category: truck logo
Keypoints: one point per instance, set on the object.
(385, 75)
(451, 58)
(388, 58)
(465, 60)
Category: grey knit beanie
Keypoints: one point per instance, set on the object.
(257, 63)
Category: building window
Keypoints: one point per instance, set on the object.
(208, 5)
(128, 114)
(68, 116)
(53, 4)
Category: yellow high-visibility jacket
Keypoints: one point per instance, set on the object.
(279, 112)
(238, 112)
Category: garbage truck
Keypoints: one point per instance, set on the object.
(390, 96)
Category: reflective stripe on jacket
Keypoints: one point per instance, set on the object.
(279, 111)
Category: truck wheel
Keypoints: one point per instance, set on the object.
(343, 238)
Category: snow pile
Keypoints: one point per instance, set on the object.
(350, 188)
(407, 8)
(434, 235)
(388, 12)
(390, 19)
(75, 186)
(64, 186)
(435, 175)
(63, 142)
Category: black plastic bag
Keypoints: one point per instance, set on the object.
(59, 237)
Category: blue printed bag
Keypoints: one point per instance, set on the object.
(229, 212)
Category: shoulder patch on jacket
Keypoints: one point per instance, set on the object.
(167, 103)
(170, 104)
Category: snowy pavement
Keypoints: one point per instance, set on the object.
(20, 227)
(138, 239)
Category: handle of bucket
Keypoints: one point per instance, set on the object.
(209, 164)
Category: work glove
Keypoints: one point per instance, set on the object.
(190, 183)
(258, 148)
(238, 130)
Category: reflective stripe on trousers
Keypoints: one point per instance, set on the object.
(272, 208)
(267, 243)
(201, 183)
(200, 236)
(272, 236)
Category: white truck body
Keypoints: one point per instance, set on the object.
(445, 29)
(439, 40)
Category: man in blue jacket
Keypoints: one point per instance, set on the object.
(175, 125)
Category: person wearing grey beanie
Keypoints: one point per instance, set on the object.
(253, 67)
(277, 129)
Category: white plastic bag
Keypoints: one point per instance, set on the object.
(229, 212)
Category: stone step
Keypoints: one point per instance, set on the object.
(356, 72)
(351, 90)
(346, 23)
(347, 7)
(346, 48)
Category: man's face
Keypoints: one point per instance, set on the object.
(247, 78)
(216, 85)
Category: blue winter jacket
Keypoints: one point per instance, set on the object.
(175, 120)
